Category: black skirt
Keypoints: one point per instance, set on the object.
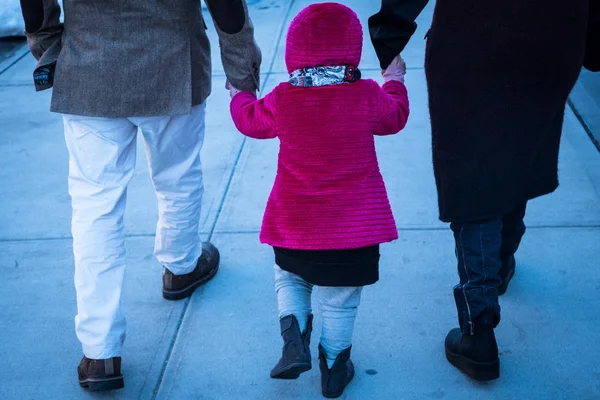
(355, 267)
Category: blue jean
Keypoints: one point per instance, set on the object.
(485, 252)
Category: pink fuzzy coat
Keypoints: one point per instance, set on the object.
(328, 192)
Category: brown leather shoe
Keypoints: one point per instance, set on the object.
(99, 375)
(177, 287)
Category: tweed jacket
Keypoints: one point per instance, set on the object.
(127, 58)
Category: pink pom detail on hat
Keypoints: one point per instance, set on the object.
(324, 34)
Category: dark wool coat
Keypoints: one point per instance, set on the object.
(592, 54)
(499, 73)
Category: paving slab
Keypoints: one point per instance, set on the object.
(33, 167)
(37, 308)
(229, 337)
(585, 99)
(576, 202)
(21, 73)
(12, 49)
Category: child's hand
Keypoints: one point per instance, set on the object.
(232, 91)
(395, 71)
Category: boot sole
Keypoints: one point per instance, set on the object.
(189, 290)
(292, 371)
(504, 287)
(103, 384)
(480, 371)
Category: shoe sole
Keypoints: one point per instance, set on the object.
(504, 287)
(103, 384)
(189, 290)
(292, 371)
(480, 371)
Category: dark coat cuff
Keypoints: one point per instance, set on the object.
(393, 26)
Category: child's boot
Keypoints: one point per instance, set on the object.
(335, 380)
(295, 357)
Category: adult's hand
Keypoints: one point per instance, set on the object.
(44, 31)
(240, 53)
(232, 91)
(395, 71)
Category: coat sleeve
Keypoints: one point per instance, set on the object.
(393, 108)
(254, 118)
(592, 52)
(43, 31)
(240, 53)
(392, 27)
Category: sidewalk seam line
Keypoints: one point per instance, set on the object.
(256, 231)
(10, 85)
(163, 370)
(12, 64)
(584, 124)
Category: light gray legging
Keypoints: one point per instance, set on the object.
(338, 305)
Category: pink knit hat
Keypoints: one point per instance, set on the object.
(324, 34)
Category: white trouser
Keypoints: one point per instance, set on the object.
(102, 155)
(339, 306)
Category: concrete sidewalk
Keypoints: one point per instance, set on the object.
(221, 343)
(585, 102)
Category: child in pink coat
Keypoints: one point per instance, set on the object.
(328, 210)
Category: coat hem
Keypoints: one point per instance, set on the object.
(480, 217)
(99, 113)
(297, 246)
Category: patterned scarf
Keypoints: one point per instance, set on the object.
(323, 76)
